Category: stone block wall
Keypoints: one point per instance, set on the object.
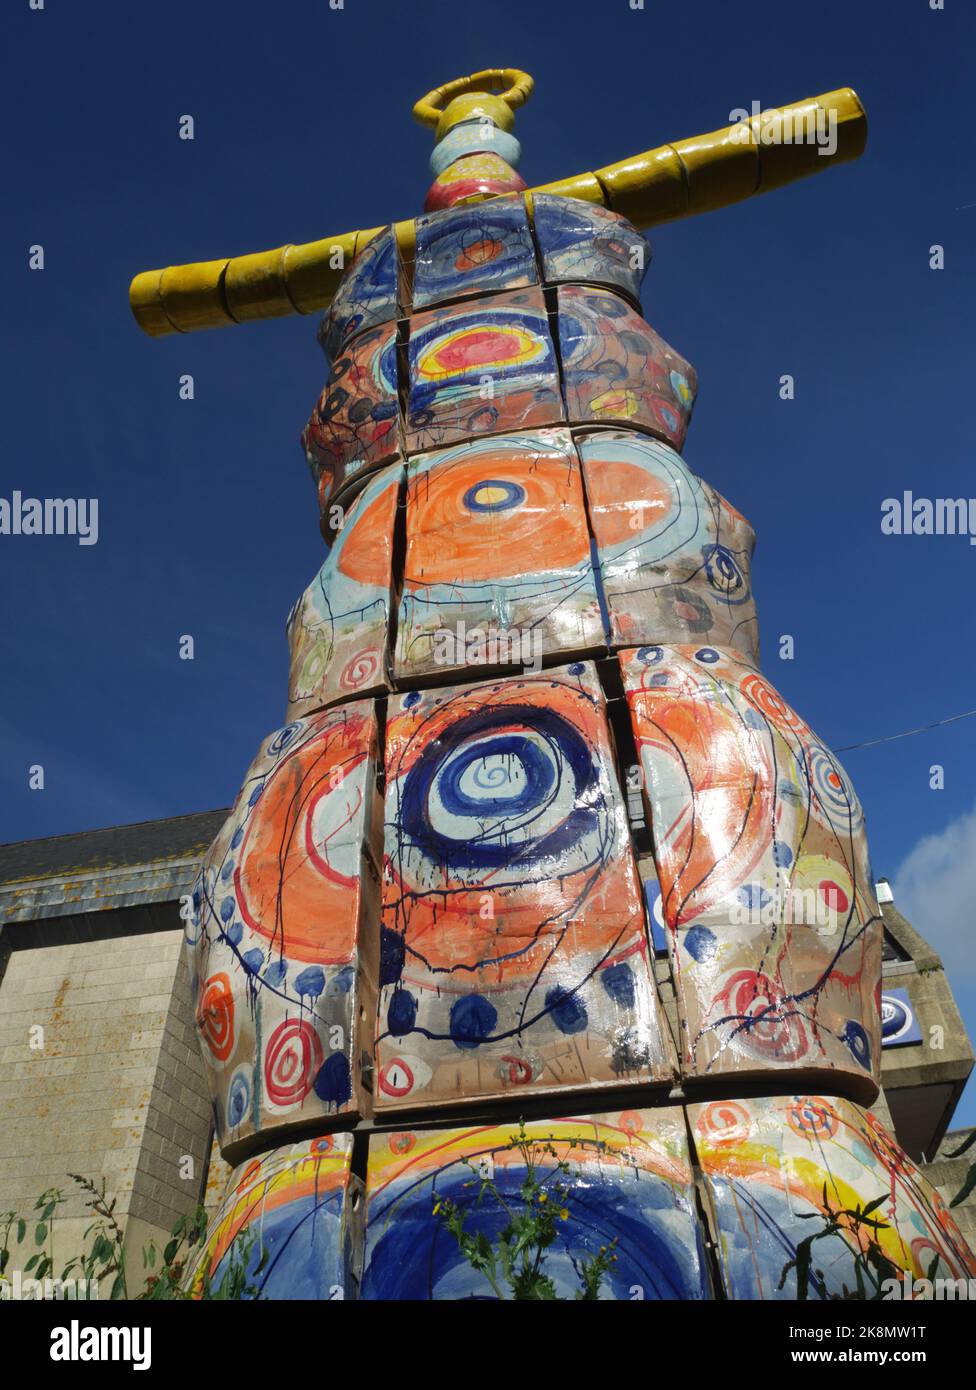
(101, 1075)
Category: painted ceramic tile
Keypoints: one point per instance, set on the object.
(629, 1178)
(288, 1220)
(282, 939)
(515, 956)
(772, 1164)
(483, 173)
(353, 429)
(367, 295)
(481, 369)
(498, 566)
(675, 557)
(616, 369)
(337, 630)
(475, 249)
(766, 886)
(474, 137)
(585, 242)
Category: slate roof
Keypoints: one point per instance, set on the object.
(120, 866)
(146, 842)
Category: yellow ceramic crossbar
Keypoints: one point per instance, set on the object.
(677, 180)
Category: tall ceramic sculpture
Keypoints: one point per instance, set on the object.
(526, 719)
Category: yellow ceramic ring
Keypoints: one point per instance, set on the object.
(518, 85)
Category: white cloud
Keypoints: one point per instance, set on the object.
(935, 888)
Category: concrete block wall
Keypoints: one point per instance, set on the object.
(949, 1175)
(113, 1085)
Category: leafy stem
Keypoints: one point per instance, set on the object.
(516, 1262)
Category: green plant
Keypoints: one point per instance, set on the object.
(172, 1283)
(40, 1264)
(859, 1229)
(236, 1283)
(104, 1255)
(169, 1282)
(516, 1261)
(8, 1221)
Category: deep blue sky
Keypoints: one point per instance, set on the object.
(207, 513)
